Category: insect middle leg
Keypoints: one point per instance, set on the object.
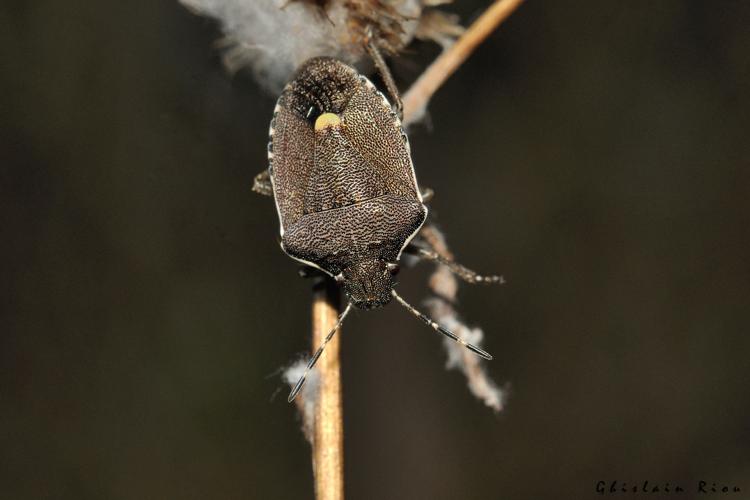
(459, 270)
(262, 184)
(427, 195)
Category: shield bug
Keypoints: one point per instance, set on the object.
(341, 174)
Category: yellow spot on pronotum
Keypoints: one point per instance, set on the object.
(327, 120)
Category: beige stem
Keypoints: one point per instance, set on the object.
(328, 430)
(416, 98)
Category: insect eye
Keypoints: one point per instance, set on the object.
(393, 268)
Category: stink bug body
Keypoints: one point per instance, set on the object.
(343, 181)
(348, 201)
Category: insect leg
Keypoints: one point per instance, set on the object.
(385, 73)
(462, 272)
(310, 272)
(427, 195)
(429, 322)
(262, 184)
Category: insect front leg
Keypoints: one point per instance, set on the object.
(262, 184)
(385, 73)
(459, 270)
(427, 195)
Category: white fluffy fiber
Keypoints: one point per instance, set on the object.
(308, 396)
(444, 285)
(274, 37)
(480, 384)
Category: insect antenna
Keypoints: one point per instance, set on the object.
(317, 354)
(429, 322)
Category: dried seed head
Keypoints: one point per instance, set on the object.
(274, 37)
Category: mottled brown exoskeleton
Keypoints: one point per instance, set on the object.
(341, 173)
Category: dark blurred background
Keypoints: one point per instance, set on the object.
(594, 152)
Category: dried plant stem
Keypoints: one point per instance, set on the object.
(328, 427)
(416, 99)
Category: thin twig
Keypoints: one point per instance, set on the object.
(328, 427)
(416, 99)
